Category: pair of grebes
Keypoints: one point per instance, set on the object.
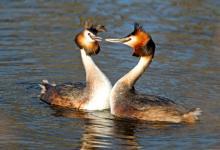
(123, 100)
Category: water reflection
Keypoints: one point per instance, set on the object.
(97, 130)
(36, 42)
(101, 130)
(7, 132)
(125, 132)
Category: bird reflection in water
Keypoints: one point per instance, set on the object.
(97, 127)
(102, 130)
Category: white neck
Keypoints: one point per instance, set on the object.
(129, 79)
(132, 76)
(98, 83)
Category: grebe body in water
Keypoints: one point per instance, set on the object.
(94, 93)
(126, 102)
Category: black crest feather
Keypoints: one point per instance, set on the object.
(137, 26)
(94, 28)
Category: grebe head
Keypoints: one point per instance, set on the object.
(88, 39)
(139, 40)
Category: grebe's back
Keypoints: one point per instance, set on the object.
(140, 106)
(94, 94)
(71, 95)
(125, 102)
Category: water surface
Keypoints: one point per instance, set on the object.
(36, 42)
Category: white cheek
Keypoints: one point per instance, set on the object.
(132, 41)
(87, 37)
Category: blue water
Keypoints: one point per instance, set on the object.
(36, 42)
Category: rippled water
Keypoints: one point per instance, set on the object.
(36, 42)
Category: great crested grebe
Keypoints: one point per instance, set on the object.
(92, 95)
(125, 102)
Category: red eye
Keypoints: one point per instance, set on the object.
(90, 35)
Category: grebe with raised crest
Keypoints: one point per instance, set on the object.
(94, 93)
(126, 102)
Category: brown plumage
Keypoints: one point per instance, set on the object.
(90, 48)
(78, 95)
(125, 102)
(90, 31)
(70, 95)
